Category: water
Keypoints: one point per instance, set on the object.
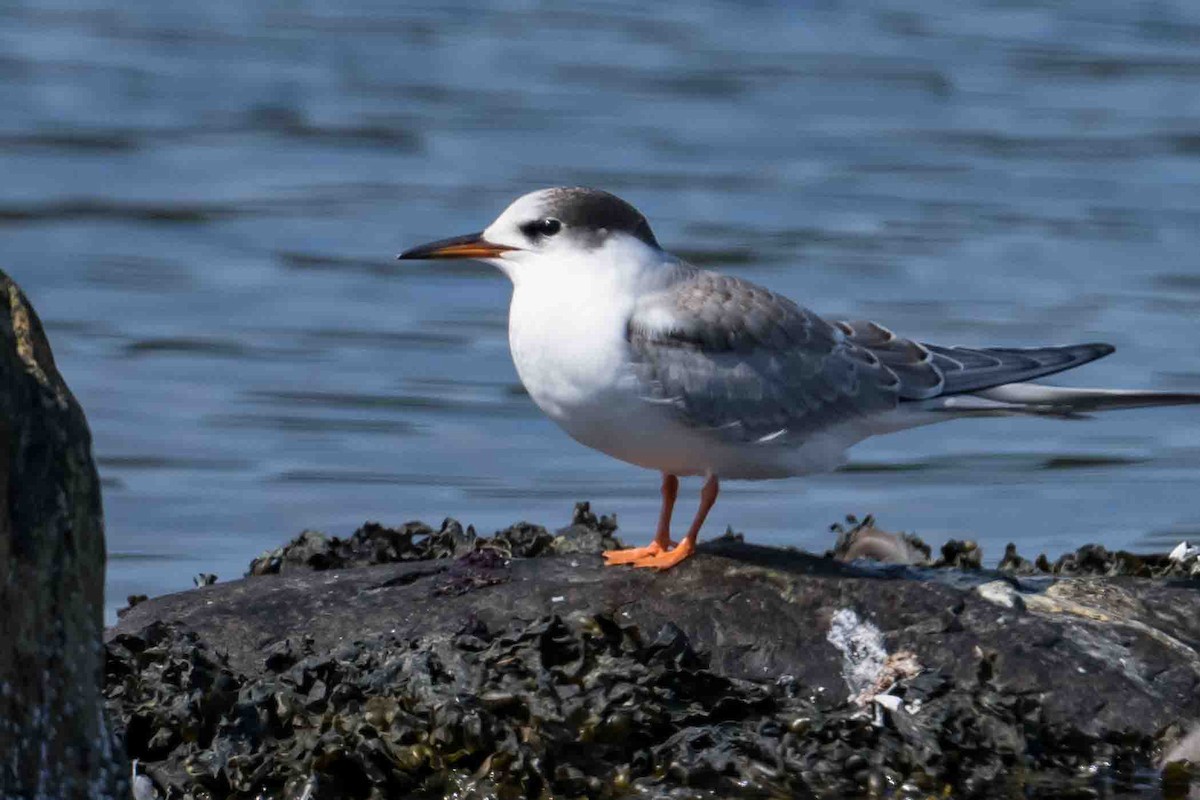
(204, 201)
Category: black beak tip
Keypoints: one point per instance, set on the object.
(454, 247)
(413, 253)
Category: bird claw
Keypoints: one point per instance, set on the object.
(668, 558)
(631, 554)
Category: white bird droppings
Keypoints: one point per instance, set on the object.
(1002, 594)
(863, 653)
(867, 668)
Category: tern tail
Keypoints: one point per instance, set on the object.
(993, 382)
(1055, 401)
(968, 370)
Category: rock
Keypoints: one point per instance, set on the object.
(1012, 562)
(587, 533)
(745, 672)
(1186, 749)
(415, 541)
(960, 555)
(1097, 560)
(53, 735)
(863, 540)
(131, 601)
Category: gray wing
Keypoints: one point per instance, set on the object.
(751, 365)
(970, 369)
(738, 359)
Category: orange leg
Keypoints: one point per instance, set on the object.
(708, 496)
(662, 538)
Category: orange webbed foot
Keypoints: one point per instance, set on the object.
(667, 558)
(631, 554)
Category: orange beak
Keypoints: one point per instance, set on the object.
(473, 245)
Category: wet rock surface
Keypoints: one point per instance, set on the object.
(414, 662)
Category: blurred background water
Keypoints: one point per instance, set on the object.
(204, 200)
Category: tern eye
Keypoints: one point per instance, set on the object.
(541, 227)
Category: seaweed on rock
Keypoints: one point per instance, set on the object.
(415, 541)
(400, 679)
(581, 707)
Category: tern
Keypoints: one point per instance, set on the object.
(640, 355)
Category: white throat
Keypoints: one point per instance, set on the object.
(567, 321)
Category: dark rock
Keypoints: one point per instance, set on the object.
(960, 555)
(415, 541)
(53, 735)
(280, 656)
(1014, 564)
(523, 540)
(309, 550)
(1096, 560)
(480, 568)
(131, 601)
(745, 672)
(587, 533)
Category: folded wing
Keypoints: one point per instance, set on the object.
(752, 366)
(966, 369)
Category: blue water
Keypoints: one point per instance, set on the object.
(203, 200)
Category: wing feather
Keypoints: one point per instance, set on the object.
(969, 370)
(753, 366)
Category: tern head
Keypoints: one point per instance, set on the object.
(554, 229)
